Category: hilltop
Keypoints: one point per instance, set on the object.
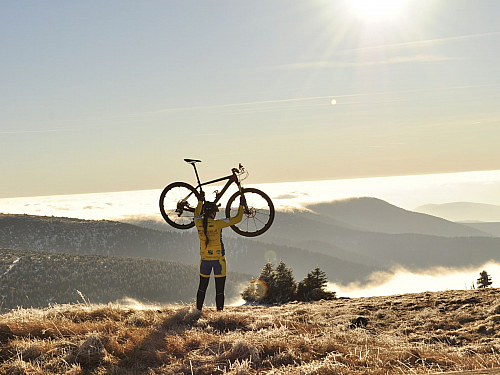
(412, 333)
(376, 215)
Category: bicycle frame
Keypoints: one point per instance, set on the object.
(218, 195)
(179, 200)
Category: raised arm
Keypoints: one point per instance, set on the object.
(197, 211)
(232, 220)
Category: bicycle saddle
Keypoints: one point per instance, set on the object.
(192, 161)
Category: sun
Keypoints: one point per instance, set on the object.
(377, 10)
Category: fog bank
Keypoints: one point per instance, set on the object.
(402, 281)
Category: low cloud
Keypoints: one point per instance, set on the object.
(286, 196)
(402, 281)
(291, 195)
(59, 208)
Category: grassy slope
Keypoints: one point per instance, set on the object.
(413, 333)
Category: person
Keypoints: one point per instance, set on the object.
(212, 252)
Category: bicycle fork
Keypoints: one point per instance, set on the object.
(244, 201)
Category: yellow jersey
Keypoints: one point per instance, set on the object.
(215, 248)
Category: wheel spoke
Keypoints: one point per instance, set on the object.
(170, 199)
(259, 214)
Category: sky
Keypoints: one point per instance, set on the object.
(111, 96)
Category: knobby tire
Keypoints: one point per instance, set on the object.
(169, 199)
(260, 216)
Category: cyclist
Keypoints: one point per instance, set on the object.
(212, 252)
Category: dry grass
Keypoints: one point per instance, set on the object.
(404, 334)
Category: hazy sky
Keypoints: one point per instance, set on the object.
(111, 96)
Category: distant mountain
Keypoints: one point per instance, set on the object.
(75, 236)
(414, 251)
(383, 250)
(301, 240)
(332, 250)
(490, 228)
(375, 215)
(310, 231)
(296, 232)
(463, 211)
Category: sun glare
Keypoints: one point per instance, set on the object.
(376, 10)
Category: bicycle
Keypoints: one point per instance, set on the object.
(179, 200)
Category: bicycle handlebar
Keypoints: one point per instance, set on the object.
(240, 169)
(240, 173)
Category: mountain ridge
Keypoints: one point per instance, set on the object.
(77, 236)
(301, 240)
(376, 215)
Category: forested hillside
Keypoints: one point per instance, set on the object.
(38, 279)
(77, 236)
(102, 237)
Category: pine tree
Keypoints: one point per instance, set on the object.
(484, 280)
(317, 279)
(260, 289)
(312, 288)
(285, 284)
(278, 286)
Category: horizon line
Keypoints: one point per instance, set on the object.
(270, 183)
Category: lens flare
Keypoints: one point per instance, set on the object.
(270, 256)
(258, 289)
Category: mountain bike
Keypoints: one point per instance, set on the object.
(179, 200)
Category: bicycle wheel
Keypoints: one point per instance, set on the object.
(260, 214)
(177, 204)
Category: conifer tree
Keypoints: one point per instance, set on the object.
(317, 279)
(484, 280)
(260, 289)
(280, 286)
(285, 284)
(312, 288)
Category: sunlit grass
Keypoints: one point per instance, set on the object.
(413, 333)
